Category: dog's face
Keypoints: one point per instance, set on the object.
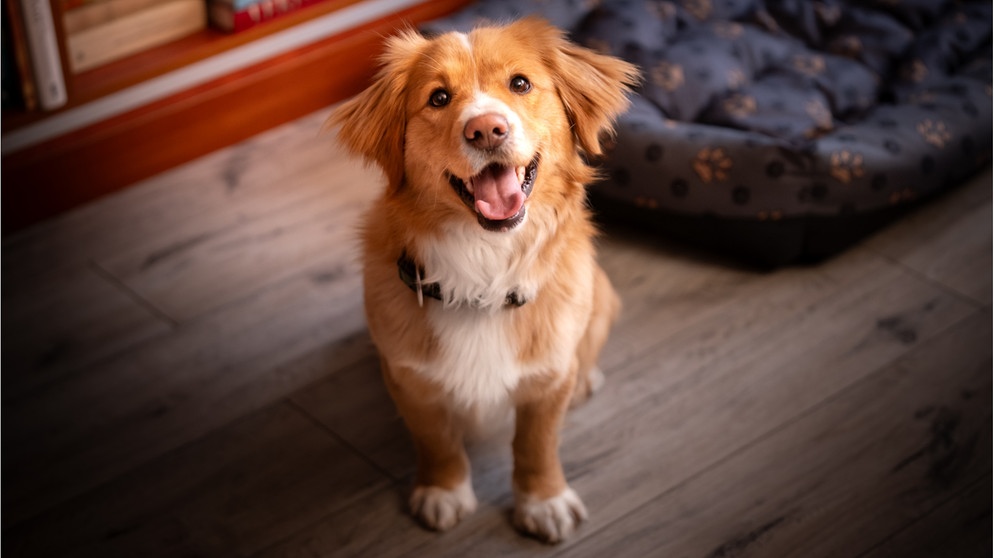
(480, 115)
(478, 124)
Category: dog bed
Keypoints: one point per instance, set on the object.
(781, 130)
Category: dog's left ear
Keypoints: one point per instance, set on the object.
(373, 123)
(593, 87)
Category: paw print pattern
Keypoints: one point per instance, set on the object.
(809, 64)
(821, 116)
(849, 46)
(712, 164)
(700, 9)
(846, 166)
(739, 105)
(663, 10)
(830, 14)
(647, 202)
(767, 21)
(736, 78)
(935, 132)
(668, 76)
(922, 97)
(915, 71)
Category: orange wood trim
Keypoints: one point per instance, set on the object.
(157, 61)
(47, 179)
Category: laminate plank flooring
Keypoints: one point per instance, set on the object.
(899, 442)
(186, 371)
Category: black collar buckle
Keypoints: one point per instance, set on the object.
(410, 273)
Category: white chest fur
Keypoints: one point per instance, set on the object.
(478, 358)
(477, 362)
(479, 268)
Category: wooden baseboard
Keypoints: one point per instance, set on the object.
(52, 177)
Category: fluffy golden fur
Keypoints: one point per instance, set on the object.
(482, 138)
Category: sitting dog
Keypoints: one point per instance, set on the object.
(482, 290)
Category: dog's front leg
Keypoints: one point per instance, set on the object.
(443, 493)
(545, 505)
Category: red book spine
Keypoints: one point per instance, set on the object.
(266, 11)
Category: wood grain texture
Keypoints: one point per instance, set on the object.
(948, 241)
(68, 321)
(232, 493)
(253, 179)
(954, 529)
(191, 273)
(899, 442)
(226, 399)
(166, 392)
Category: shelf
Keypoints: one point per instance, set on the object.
(115, 76)
(46, 176)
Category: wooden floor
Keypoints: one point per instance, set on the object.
(186, 372)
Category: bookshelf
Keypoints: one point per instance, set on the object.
(141, 115)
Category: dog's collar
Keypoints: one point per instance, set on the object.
(410, 273)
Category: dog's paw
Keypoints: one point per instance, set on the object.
(551, 520)
(586, 386)
(595, 380)
(441, 509)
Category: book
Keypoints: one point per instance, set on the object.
(19, 88)
(149, 27)
(91, 14)
(11, 95)
(43, 51)
(233, 16)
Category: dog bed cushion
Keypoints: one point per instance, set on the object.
(782, 130)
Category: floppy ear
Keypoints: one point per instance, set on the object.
(593, 88)
(373, 123)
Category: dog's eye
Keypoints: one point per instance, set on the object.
(520, 84)
(439, 98)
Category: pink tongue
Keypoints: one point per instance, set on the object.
(498, 193)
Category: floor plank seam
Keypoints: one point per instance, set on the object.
(135, 297)
(310, 272)
(267, 550)
(389, 482)
(340, 440)
(925, 278)
(827, 400)
(913, 522)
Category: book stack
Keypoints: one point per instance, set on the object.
(101, 31)
(32, 66)
(233, 16)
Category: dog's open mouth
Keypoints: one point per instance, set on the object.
(497, 194)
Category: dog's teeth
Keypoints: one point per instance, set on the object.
(520, 171)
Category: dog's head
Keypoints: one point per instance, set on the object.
(473, 123)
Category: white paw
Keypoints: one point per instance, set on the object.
(551, 520)
(596, 379)
(587, 385)
(442, 509)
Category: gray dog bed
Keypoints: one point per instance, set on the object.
(781, 131)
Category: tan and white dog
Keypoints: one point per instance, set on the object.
(481, 287)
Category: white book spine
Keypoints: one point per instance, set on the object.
(43, 46)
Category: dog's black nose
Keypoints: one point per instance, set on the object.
(487, 131)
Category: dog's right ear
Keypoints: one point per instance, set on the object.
(373, 123)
